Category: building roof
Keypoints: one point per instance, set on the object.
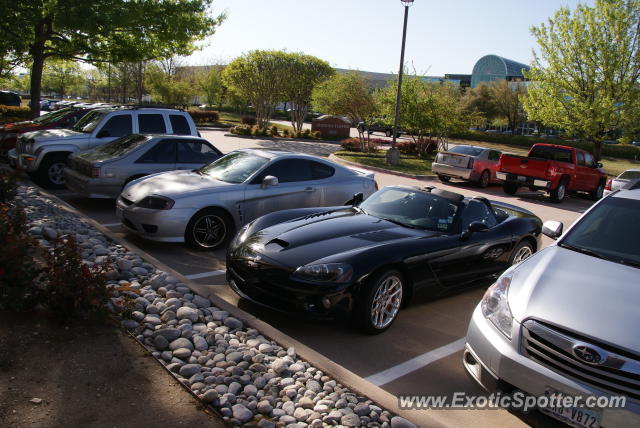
(494, 67)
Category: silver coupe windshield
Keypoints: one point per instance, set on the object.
(412, 208)
(235, 167)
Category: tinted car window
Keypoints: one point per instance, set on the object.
(117, 126)
(179, 124)
(196, 152)
(289, 170)
(629, 175)
(580, 158)
(151, 124)
(122, 145)
(88, 122)
(466, 150)
(494, 155)
(163, 152)
(413, 208)
(610, 231)
(477, 211)
(551, 153)
(320, 171)
(588, 160)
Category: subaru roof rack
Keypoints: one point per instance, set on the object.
(142, 106)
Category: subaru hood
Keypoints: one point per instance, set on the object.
(590, 296)
(174, 184)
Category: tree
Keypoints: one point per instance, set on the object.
(211, 83)
(479, 101)
(100, 30)
(585, 77)
(344, 94)
(507, 101)
(431, 111)
(304, 73)
(60, 76)
(259, 77)
(168, 88)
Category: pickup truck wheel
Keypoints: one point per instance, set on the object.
(49, 174)
(510, 188)
(558, 194)
(597, 193)
(485, 178)
(444, 178)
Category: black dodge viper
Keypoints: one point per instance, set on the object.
(369, 258)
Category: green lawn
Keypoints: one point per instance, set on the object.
(408, 164)
(234, 119)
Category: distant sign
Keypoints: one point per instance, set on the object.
(331, 126)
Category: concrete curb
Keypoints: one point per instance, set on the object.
(338, 159)
(293, 140)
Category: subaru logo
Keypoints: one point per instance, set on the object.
(589, 354)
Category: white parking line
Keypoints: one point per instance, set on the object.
(416, 363)
(110, 224)
(205, 274)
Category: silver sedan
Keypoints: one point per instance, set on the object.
(614, 184)
(206, 206)
(103, 172)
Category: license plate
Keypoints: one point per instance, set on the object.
(522, 178)
(576, 416)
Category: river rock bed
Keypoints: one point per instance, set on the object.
(249, 379)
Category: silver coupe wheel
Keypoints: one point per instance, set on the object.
(209, 231)
(386, 302)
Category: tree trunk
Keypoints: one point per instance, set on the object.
(37, 54)
(597, 150)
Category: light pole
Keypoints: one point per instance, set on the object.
(393, 156)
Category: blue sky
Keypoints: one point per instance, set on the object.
(442, 36)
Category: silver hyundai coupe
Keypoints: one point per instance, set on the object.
(205, 207)
(565, 322)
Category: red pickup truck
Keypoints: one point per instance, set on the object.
(554, 169)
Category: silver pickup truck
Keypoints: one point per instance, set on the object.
(43, 154)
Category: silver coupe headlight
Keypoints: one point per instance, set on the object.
(156, 202)
(325, 272)
(495, 306)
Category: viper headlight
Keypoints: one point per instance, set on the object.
(495, 306)
(325, 272)
(240, 236)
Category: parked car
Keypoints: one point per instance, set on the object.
(553, 168)
(104, 171)
(43, 154)
(614, 184)
(470, 163)
(381, 127)
(204, 207)
(64, 118)
(565, 320)
(370, 258)
(10, 99)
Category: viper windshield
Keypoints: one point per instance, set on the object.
(413, 208)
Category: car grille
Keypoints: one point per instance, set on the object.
(20, 145)
(617, 373)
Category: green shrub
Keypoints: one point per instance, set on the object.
(73, 289)
(317, 135)
(354, 145)
(306, 133)
(249, 120)
(10, 114)
(285, 132)
(274, 131)
(241, 130)
(260, 132)
(204, 116)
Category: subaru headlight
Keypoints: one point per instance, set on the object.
(325, 272)
(28, 147)
(495, 306)
(156, 202)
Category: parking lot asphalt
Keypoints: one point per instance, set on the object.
(420, 354)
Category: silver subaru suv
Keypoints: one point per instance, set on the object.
(566, 321)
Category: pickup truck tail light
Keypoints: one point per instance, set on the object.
(470, 164)
(608, 185)
(95, 172)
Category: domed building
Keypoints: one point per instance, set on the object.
(494, 67)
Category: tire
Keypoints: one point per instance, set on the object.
(209, 229)
(596, 194)
(387, 133)
(485, 179)
(49, 173)
(444, 178)
(383, 291)
(522, 251)
(558, 194)
(509, 188)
